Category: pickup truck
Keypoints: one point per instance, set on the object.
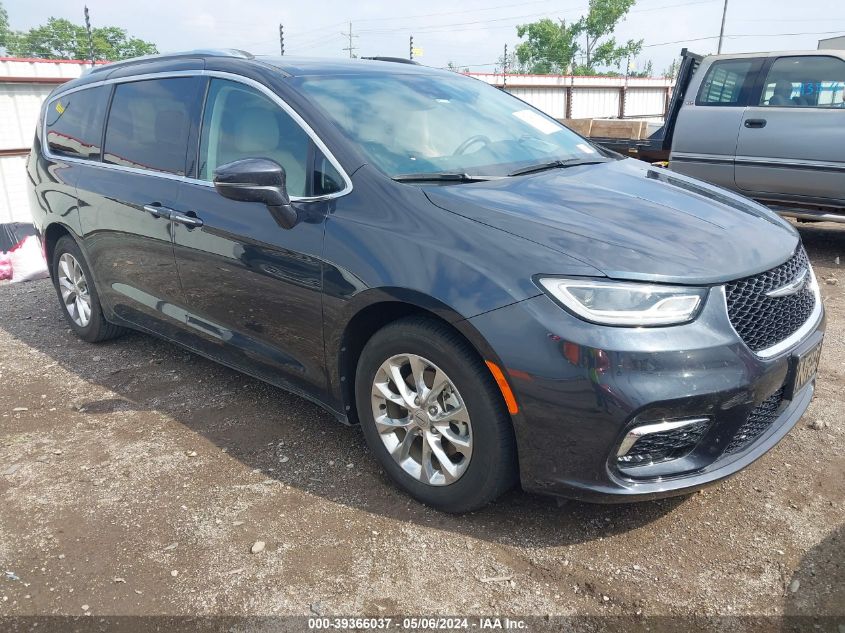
(768, 125)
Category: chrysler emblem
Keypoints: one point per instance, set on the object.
(793, 287)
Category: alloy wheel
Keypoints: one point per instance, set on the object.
(74, 289)
(422, 419)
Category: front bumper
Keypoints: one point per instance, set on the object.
(581, 387)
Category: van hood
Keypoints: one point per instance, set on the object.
(630, 221)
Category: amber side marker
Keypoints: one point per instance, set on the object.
(504, 387)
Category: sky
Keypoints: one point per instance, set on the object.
(471, 33)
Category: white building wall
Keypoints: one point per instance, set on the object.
(24, 84)
(14, 199)
(552, 101)
(645, 102)
(19, 108)
(595, 103)
(592, 97)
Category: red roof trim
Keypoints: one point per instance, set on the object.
(567, 76)
(49, 61)
(13, 79)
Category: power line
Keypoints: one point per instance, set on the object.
(434, 28)
(688, 40)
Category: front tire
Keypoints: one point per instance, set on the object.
(78, 297)
(433, 416)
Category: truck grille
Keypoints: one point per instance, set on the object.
(763, 321)
(760, 419)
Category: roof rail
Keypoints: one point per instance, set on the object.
(395, 60)
(206, 52)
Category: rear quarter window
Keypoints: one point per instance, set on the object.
(726, 83)
(75, 123)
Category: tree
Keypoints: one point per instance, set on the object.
(62, 39)
(600, 22)
(647, 71)
(4, 27)
(672, 71)
(550, 48)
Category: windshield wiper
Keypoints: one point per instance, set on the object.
(439, 177)
(556, 164)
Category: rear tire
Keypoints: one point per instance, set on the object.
(445, 436)
(77, 294)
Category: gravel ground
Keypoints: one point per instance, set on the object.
(136, 478)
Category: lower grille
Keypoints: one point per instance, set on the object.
(664, 445)
(760, 419)
(763, 321)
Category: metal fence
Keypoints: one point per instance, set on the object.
(575, 97)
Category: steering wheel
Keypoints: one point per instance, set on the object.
(472, 140)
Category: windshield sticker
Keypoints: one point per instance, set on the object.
(585, 148)
(537, 121)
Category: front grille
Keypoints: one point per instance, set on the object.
(763, 321)
(760, 419)
(664, 445)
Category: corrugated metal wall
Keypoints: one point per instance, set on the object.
(592, 97)
(645, 102)
(550, 100)
(14, 201)
(19, 107)
(24, 84)
(595, 103)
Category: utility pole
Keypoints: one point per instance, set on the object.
(722, 30)
(505, 69)
(350, 48)
(411, 49)
(282, 39)
(90, 39)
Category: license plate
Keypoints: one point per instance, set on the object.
(805, 367)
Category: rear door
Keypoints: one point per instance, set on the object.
(705, 136)
(791, 140)
(124, 202)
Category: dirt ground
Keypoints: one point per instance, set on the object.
(136, 477)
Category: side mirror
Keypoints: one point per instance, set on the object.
(257, 180)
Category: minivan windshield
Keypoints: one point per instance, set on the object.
(416, 125)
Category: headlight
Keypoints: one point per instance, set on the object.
(625, 303)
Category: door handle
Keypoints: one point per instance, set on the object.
(157, 211)
(755, 123)
(189, 219)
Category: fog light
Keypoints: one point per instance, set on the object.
(661, 441)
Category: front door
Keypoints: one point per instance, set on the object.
(791, 141)
(253, 288)
(124, 203)
(704, 141)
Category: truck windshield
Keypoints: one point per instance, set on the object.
(440, 124)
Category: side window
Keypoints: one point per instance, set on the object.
(723, 85)
(149, 123)
(326, 178)
(815, 82)
(75, 123)
(240, 122)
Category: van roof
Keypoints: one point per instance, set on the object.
(291, 66)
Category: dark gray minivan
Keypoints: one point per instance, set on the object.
(492, 298)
